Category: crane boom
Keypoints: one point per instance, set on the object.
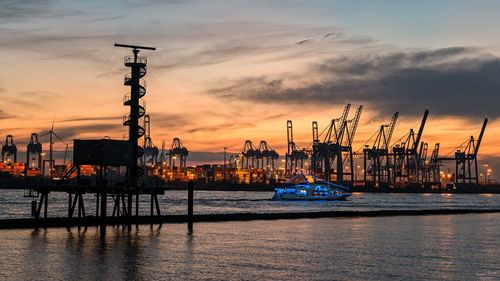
(480, 138)
(343, 123)
(315, 132)
(390, 129)
(289, 135)
(354, 124)
(420, 130)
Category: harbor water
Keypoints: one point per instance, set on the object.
(14, 205)
(440, 247)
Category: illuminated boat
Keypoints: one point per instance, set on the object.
(303, 187)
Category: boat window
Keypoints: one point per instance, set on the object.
(320, 188)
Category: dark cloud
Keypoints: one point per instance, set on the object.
(331, 36)
(302, 42)
(209, 43)
(169, 121)
(272, 117)
(216, 54)
(84, 119)
(17, 32)
(4, 115)
(451, 81)
(334, 35)
(220, 127)
(104, 18)
(63, 46)
(29, 99)
(208, 157)
(141, 3)
(69, 133)
(24, 8)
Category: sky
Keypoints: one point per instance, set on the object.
(228, 71)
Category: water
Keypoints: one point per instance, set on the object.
(14, 205)
(443, 247)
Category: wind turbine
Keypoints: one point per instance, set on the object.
(51, 160)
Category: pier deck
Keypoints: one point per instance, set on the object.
(99, 221)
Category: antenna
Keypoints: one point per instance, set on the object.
(135, 47)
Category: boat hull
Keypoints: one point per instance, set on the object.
(286, 197)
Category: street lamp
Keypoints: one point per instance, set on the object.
(224, 167)
(43, 163)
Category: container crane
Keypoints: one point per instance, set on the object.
(268, 154)
(405, 155)
(294, 158)
(250, 156)
(33, 156)
(151, 152)
(324, 154)
(466, 170)
(376, 161)
(9, 150)
(352, 126)
(178, 150)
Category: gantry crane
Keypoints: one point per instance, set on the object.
(430, 169)
(250, 156)
(34, 155)
(268, 155)
(179, 151)
(336, 147)
(294, 158)
(151, 152)
(466, 170)
(376, 159)
(406, 157)
(9, 150)
(351, 128)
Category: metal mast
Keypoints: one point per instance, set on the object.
(137, 65)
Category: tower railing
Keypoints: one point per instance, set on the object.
(131, 59)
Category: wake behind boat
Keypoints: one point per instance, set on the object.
(303, 187)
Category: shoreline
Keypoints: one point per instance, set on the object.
(61, 222)
(260, 188)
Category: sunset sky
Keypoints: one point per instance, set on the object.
(227, 71)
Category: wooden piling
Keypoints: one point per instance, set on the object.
(190, 205)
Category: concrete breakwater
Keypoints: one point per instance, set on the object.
(94, 221)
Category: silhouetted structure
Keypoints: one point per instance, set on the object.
(51, 160)
(294, 158)
(9, 150)
(250, 155)
(377, 158)
(151, 152)
(406, 156)
(330, 156)
(466, 170)
(34, 153)
(267, 155)
(178, 151)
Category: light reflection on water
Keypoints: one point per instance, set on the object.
(14, 205)
(443, 247)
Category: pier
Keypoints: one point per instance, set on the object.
(161, 219)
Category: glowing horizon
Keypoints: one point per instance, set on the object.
(227, 71)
